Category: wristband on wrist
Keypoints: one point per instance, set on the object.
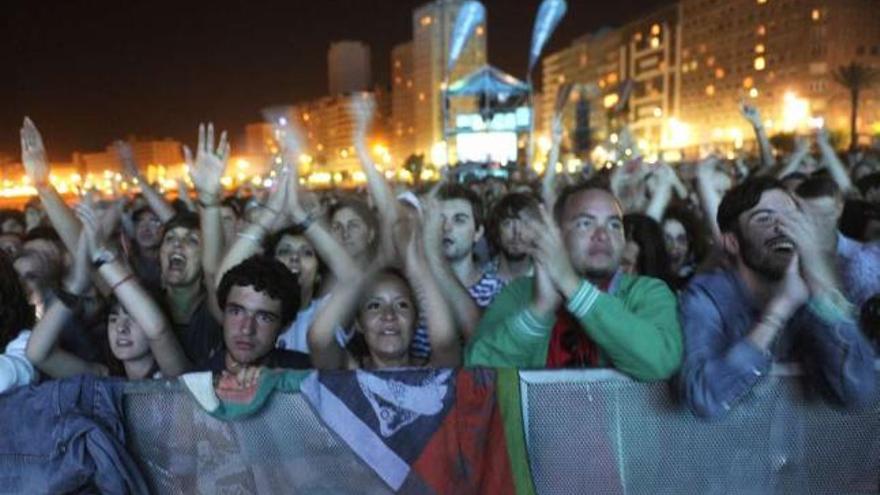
(103, 256)
(123, 280)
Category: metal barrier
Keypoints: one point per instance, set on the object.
(586, 432)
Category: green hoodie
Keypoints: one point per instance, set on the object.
(636, 328)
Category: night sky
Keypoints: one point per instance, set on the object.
(89, 72)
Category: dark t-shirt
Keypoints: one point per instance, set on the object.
(202, 338)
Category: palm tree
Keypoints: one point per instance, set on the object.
(855, 77)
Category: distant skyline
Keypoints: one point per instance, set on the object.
(89, 72)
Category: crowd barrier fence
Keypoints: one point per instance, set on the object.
(590, 431)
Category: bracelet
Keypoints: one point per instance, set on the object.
(124, 280)
(252, 238)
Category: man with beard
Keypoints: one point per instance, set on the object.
(453, 226)
(508, 234)
(779, 301)
(579, 309)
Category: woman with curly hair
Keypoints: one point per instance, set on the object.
(16, 318)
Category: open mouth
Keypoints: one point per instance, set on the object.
(124, 343)
(177, 261)
(781, 245)
(389, 331)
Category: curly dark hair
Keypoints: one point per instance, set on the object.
(16, 313)
(264, 274)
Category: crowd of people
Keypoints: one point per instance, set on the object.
(704, 273)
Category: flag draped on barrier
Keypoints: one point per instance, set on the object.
(419, 430)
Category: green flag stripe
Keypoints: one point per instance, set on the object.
(511, 414)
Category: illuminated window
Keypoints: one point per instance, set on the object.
(637, 37)
(816, 15)
(753, 92)
(762, 2)
(397, 64)
(710, 61)
(561, 78)
(481, 30)
(655, 29)
(762, 30)
(658, 112)
(760, 63)
(759, 48)
(655, 42)
(421, 96)
(748, 82)
(719, 73)
(610, 100)
(426, 21)
(710, 90)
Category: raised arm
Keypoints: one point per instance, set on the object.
(835, 167)
(445, 340)
(36, 165)
(751, 114)
(662, 184)
(464, 310)
(155, 200)
(331, 252)
(338, 312)
(710, 199)
(165, 347)
(363, 109)
(42, 347)
(548, 183)
(206, 171)
(796, 159)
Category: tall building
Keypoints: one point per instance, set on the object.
(595, 63)
(328, 128)
(691, 63)
(348, 67)
(432, 27)
(641, 56)
(779, 55)
(402, 128)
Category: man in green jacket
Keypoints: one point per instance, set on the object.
(579, 309)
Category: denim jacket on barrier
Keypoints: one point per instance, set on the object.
(66, 436)
(721, 365)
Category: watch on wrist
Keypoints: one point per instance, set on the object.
(103, 256)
